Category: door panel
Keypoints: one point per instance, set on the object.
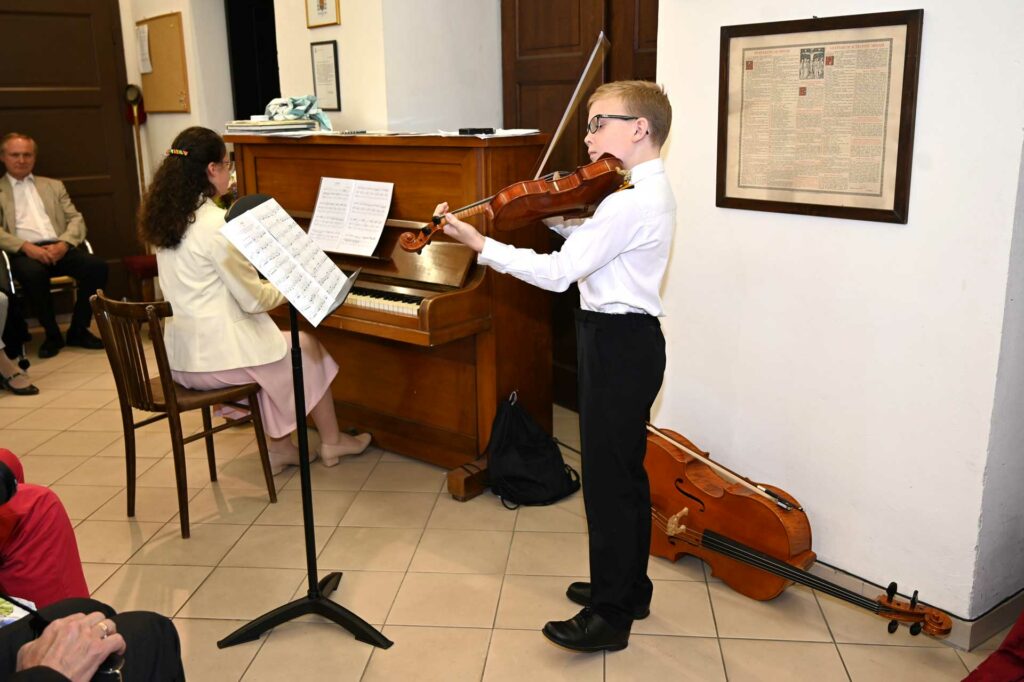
(65, 87)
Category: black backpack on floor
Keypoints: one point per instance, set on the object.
(524, 463)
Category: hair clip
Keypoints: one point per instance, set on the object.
(178, 152)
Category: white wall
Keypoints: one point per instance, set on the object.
(854, 363)
(443, 64)
(1001, 542)
(209, 77)
(360, 60)
(404, 65)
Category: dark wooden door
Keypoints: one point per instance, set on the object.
(545, 46)
(63, 82)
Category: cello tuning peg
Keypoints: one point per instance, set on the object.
(913, 600)
(890, 591)
(915, 628)
(893, 626)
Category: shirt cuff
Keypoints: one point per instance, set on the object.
(494, 253)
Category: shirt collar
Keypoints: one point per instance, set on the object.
(27, 178)
(644, 170)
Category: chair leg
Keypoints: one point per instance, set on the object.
(210, 457)
(128, 426)
(180, 477)
(129, 465)
(261, 443)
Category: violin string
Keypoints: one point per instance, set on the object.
(735, 550)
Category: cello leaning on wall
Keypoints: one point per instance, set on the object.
(755, 537)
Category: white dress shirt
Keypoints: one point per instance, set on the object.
(30, 219)
(219, 302)
(618, 256)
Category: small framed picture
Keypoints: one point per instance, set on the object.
(322, 13)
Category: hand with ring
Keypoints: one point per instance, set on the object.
(74, 646)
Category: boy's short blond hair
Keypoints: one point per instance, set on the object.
(644, 99)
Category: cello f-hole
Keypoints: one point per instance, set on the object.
(679, 487)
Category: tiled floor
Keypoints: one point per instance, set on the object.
(462, 588)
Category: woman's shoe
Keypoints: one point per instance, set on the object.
(23, 390)
(279, 461)
(331, 453)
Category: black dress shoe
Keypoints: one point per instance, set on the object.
(31, 389)
(586, 631)
(84, 338)
(580, 593)
(50, 347)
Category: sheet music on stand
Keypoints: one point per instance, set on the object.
(284, 253)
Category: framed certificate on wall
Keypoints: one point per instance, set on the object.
(325, 74)
(816, 116)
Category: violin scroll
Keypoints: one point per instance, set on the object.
(415, 240)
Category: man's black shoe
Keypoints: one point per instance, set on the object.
(51, 346)
(580, 593)
(84, 339)
(586, 631)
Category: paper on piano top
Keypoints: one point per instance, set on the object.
(350, 215)
(277, 246)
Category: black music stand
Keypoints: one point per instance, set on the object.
(315, 601)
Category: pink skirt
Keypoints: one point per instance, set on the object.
(277, 397)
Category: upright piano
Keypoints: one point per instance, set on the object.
(429, 344)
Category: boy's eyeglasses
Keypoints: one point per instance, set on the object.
(595, 123)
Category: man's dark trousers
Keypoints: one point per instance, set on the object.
(34, 277)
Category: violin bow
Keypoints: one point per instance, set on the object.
(743, 481)
(596, 59)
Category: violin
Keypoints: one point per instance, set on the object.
(528, 201)
(755, 537)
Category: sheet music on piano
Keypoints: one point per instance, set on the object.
(349, 215)
(281, 250)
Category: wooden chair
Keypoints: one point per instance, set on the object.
(120, 325)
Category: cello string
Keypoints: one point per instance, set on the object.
(771, 565)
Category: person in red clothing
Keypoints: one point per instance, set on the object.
(39, 558)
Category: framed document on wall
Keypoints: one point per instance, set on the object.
(322, 13)
(816, 116)
(326, 86)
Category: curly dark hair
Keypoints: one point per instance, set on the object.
(169, 207)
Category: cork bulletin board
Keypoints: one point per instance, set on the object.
(166, 87)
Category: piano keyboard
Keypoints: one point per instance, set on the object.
(385, 301)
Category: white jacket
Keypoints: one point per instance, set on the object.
(219, 301)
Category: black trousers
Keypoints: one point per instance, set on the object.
(88, 270)
(621, 364)
(152, 649)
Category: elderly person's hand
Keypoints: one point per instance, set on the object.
(73, 646)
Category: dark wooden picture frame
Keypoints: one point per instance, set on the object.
(760, 191)
(326, 106)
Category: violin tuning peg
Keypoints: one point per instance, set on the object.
(890, 591)
(893, 626)
(913, 600)
(915, 629)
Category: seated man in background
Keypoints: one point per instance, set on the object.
(41, 228)
(39, 558)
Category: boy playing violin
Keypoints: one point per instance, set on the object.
(618, 257)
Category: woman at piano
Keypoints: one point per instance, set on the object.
(220, 334)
